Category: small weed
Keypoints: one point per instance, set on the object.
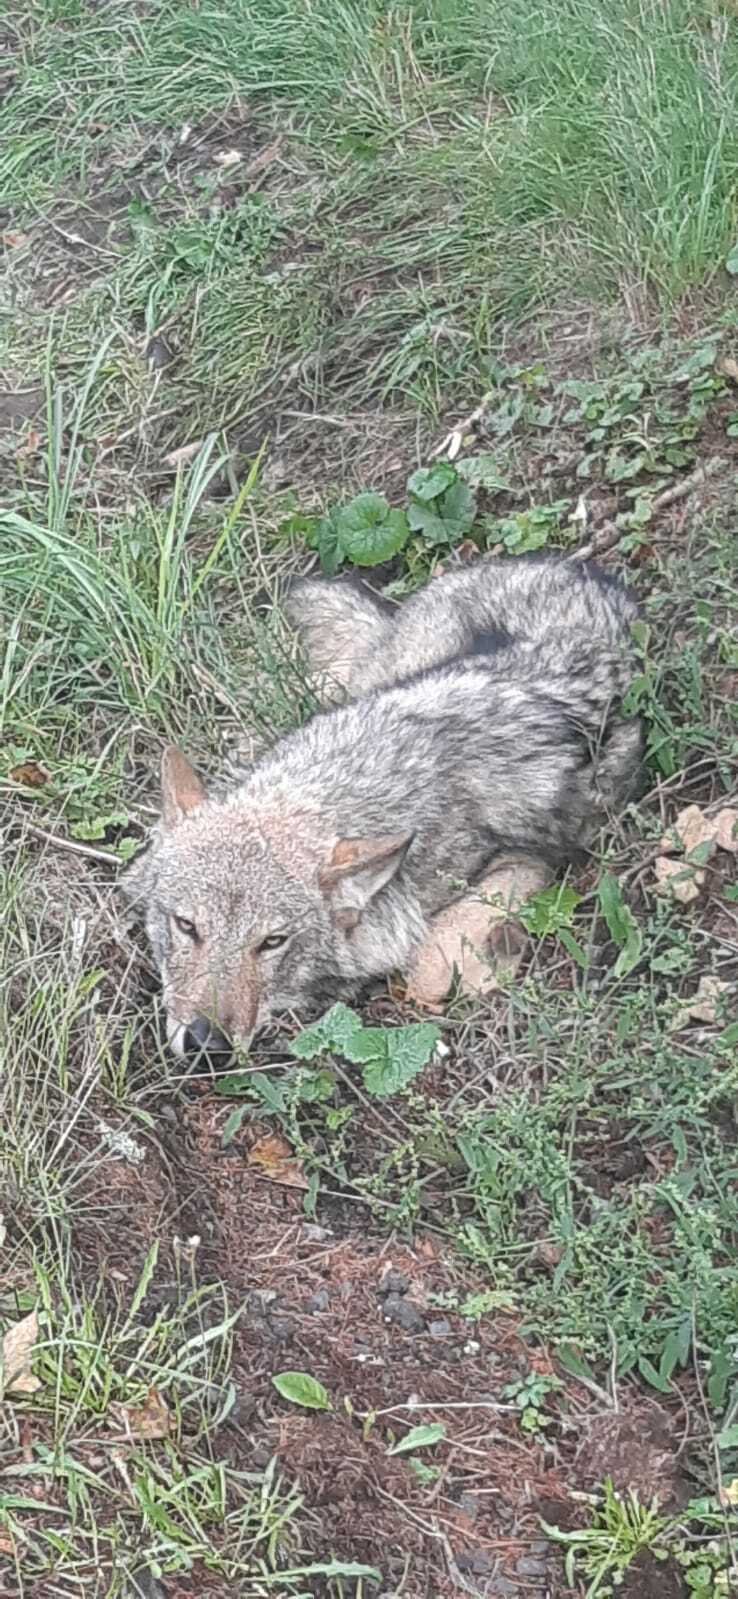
(530, 1394)
(601, 1554)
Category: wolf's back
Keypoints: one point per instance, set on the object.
(543, 613)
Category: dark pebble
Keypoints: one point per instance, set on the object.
(404, 1313)
(319, 1301)
(531, 1566)
(393, 1282)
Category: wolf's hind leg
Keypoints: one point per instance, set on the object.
(477, 938)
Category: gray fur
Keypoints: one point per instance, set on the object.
(483, 720)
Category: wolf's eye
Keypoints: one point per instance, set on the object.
(274, 941)
(188, 928)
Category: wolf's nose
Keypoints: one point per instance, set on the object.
(203, 1038)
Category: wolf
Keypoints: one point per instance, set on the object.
(479, 722)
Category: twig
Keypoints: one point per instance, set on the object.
(610, 533)
(69, 844)
(687, 484)
(453, 441)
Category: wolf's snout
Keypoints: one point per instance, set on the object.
(201, 1037)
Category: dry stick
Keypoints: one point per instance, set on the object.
(610, 534)
(452, 443)
(75, 849)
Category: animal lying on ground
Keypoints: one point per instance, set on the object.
(482, 728)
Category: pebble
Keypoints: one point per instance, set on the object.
(440, 1328)
(393, 1282)
(404, 1313)
(280, 1328)
(531, 1566)
(319, 1301)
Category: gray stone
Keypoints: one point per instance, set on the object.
(531, 1566)
(319, 1301)
(404, 1313)
(393, 1282)
(440, 1328)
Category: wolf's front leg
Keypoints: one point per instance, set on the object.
(477, 938)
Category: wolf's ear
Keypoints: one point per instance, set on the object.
(356, 870)
(181, 789)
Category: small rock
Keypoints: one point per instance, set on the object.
(475, 1561)
(404, 1313)
(440, 1328)
(472, 1346)
(319, 1301)
(313, 1234)
(281, 1328)
(158, 353)
(144, 1585)
(531, 1566)
(393, 1282)
(258, 1300)
(469, 1504)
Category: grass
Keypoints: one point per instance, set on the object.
(301, 242)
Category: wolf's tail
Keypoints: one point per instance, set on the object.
(337, 622)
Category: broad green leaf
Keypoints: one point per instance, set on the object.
(652, 1376)
(573, 948)
(333, 1031)
(95, 827)
(324, 538)
(550, 910)
(483, 472)
(233, 1083)
(722, 1367)
(430, 481)
(622, 925)
(233, 1124)
(392, 1056)
(369, 531)
(728, 1439)
(448, 519)
(302, 1389)
(316, 1087)
(574, 1363)
(419, 1438)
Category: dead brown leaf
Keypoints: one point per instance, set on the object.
(729, 368)
(149, 1420)
(693, 828)
(704, 1004)
(18, 1344)
(274, 1159)
(30, 445)
(7, 1545)
(15, 241)
(30, 774)
(674, 877)
(185, 453)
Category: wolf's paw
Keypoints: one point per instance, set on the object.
(477, 939)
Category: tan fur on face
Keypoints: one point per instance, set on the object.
(232, 1005)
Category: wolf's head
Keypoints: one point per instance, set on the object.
(253, 909)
